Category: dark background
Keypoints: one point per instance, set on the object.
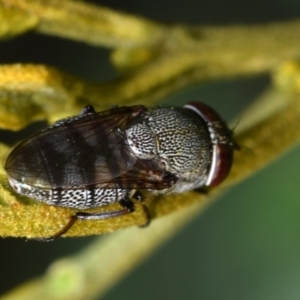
(246, 245)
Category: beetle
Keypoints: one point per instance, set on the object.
(97, 158)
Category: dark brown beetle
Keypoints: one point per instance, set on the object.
(98, 158)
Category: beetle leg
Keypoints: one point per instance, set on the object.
(202, 190)
(126, 203)
(139, 197)
(59, 233)
(89, 109)
(148, 217)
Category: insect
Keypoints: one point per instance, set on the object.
(98, 158)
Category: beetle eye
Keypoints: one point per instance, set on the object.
(222, 142)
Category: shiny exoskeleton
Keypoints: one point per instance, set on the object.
(98, 158)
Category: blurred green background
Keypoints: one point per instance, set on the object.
(244, 246)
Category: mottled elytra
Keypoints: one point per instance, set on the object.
(98, 158)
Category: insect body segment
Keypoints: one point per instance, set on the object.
(98, 158)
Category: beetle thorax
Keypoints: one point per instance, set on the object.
(178, 140)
